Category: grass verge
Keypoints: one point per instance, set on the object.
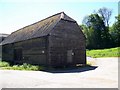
(112, 52)
(6, 66)
(24, 66)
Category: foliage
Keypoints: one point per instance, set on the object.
(105, 14)
(4, 64)
(115, 31)
(95, 32)
(25, 66)
(112, 52)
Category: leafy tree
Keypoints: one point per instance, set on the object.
(95, 31)
(105, 14)
(87, 34)
(115, 31)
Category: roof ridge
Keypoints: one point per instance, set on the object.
(66, 17)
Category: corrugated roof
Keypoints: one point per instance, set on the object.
(38, 29)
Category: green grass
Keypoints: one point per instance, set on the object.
(112, 52)
(25, 66)
(4, 64)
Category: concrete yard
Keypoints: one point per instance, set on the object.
(103, 75)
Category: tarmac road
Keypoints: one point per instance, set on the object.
(104, 76)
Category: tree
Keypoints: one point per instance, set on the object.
(115, 31)
(92, 31)
(105, 14)
(87, 35)
(96, 32)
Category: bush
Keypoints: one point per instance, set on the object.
(15, 67)
(24, 66)
(4, 64)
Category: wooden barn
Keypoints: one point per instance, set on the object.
(2, 37)
(54, 41)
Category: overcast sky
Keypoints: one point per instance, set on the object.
(15, 14)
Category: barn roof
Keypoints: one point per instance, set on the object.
(38, 29)
(2, 36)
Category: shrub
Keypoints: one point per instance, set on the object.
(4, 64)
(24, 66)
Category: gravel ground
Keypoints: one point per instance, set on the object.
(104, 76)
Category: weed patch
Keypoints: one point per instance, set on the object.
(24, 66)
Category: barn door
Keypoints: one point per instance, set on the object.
(69, 56)
(18, 54)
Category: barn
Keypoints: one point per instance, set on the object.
(54, 41)
(2, 37)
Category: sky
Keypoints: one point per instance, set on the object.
(15, 14)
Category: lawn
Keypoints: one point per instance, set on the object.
(111, 52)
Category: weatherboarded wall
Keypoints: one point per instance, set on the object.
(66, 39)
(64, 46)
(32, 51)
(7, 52)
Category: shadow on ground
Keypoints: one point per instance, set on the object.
(72, 70)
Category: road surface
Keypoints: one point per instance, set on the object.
(103, 75)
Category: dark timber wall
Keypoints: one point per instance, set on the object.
(67, 38)
(54, 41)
(2, 37)
(32, 51)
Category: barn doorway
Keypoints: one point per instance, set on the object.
(69, 56)
(18, 54)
